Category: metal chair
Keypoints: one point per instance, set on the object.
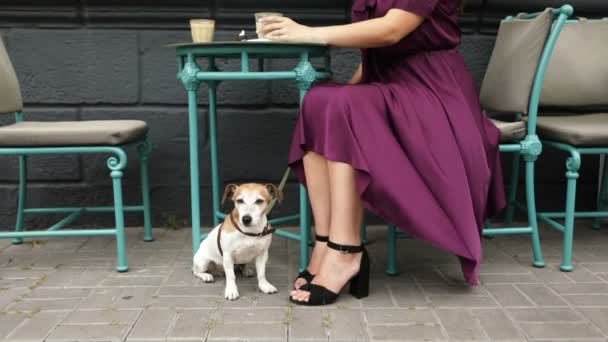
(512, 84)
(110, 137)
(577, 84)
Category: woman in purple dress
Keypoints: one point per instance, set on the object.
(406, 139)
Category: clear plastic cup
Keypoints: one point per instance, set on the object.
(202, 30)
(260, 15)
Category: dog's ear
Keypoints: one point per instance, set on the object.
(229, 192)
(275, 192)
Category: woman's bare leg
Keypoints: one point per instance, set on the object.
(346, 218)
(317, 182)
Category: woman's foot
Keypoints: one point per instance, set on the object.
(318, 252)
(335, 271)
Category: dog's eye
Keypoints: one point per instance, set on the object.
(259, 201)
(240, 201)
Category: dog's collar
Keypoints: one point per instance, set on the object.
(267, 230)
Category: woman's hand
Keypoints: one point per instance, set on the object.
(286, 30)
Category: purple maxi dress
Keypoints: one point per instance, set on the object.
(425, 155)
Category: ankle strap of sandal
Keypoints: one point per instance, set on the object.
(321, 238)
(345, 248)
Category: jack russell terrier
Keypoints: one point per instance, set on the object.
(243, 237)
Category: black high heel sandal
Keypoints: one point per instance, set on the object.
(305, 274)
(359, 283)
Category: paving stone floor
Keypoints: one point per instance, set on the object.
(67, 290)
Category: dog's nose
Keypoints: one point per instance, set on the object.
(247, 220)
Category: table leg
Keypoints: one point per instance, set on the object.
(215, 179)
(304, 212)
(194, 175)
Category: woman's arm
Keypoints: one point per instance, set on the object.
(378, 32)
(357, 76)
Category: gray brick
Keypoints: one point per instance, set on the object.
(379, 297)
(160, 84)
(37, 327)
(507, 295)
(541, 295)
(257, 315)
(560, 330)
(416, 332)
(123, 281)
(60, 293)
(545, 315)
(153, 324)
(181, 276)
(115, 332)
(253, 145)
(461, 325)
(192, 291)
(76, 66)
(507, 278)
(159, 67)
(399, 316)
(497, 325)
(581, 288)
(44, 304)
(587, 300)
(345, 324)
(75, 277)
(408, 296)
(9, 295)
(8, 322)
(191, 324)
(473, 301)
(305, 323)
(257, 331)
(119, 298)
(476, 50)
(102, 317)
(597, 316)
(583, 275)
(207, 302)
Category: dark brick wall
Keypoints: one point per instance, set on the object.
(103, 59)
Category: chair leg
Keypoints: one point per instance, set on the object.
(22, 197)
(513, 190)
(144, 153)
(304, 228)
(572, 174)
(532, 220)
(391, 249)
(602, 198)
(364, 231)
(121, 248)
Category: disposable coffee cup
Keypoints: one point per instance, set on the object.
(258, 24)
(202, 30)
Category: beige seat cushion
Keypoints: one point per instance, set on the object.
(508, 80)
(577, 75)
(577, 130)
(72, 133)
(511, 131)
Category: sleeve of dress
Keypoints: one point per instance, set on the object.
(422, 8)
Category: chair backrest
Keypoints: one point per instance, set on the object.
(509, 78)
(577, 75)
(10, 94)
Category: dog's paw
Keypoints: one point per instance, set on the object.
(248, 271)
(266, 287)
(206, 277)
(231, 292)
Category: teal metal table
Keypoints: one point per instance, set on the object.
(191, 74)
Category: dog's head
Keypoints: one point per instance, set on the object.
(251, 200)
